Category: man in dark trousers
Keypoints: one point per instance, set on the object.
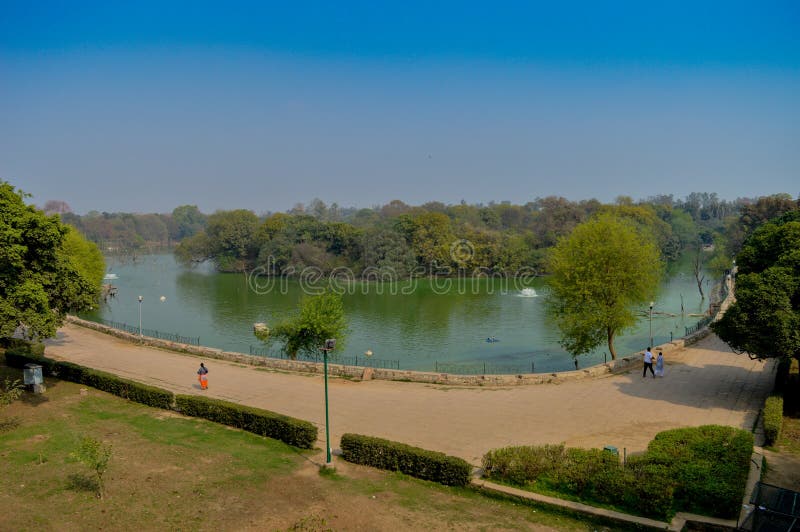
(648, 363)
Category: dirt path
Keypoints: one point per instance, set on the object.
(704, 384)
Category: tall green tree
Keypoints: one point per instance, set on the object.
(601, 273)
(188, 221)
(41, 279)
(765, 319)
(317, 319)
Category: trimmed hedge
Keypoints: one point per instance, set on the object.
(593, 475)
(127, 389)
(413, 461)
(287, 429)
(773, 418)
(701, 470)
(709, 465)
(290, 430)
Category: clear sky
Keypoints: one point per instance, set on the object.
(142, 106)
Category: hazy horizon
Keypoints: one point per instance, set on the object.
(261, 105)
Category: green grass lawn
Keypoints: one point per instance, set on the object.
(169, 472)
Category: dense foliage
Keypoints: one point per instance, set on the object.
(605, 269)
(46, 269)
(398, 240)
(765, 319)
(701, 470)
(773, 418)
(709, 465)
(319, 318)
(394, 456)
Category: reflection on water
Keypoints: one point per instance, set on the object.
(418, 329)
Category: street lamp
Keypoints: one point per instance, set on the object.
(651, 323)
(330, 345)
(140, 317)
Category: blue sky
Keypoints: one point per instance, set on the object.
(143, 106)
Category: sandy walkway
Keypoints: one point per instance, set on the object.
(704, 384)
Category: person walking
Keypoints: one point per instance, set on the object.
(660, 364)
(202, 376)
(648, 363)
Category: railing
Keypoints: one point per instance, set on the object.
(360, 361)
(151, 333)
(774, 508)
(482, 368)
(699, 325)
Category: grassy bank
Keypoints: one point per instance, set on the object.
(172, 472)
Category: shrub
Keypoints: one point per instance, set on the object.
(648, 488)
(413, 461)
(576, 474)
(34, 348)
(773, 418)
(709, 465)
(524, 464)
(293, 431)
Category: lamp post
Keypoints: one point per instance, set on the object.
(651, 323)
(330, 345)
(140, 317)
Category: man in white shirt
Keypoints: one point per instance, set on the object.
(648, 363)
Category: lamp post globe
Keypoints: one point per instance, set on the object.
(140, 316)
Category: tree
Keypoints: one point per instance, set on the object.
(95, 455)
(40, 279)
(601, 273)
(318, 318)
(764, 322)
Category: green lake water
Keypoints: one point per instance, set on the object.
(425, 326)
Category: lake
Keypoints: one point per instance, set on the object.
(429, 325)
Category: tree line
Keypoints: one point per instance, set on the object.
(432, 238)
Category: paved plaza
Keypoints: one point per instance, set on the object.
(704, 384)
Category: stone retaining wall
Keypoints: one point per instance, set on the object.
(620, 365)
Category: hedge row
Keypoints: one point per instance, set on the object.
(773, 418)
(413, 461)
(593, 475)
(290, 430)
(293, 431)
(699, 470)
(134, 391)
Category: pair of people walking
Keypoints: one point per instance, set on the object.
(648, 364)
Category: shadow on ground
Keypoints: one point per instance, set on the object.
(709, 386)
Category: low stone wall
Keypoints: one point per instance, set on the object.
(620, 365)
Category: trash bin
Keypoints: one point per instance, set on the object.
(32, 374)
(611, 449)
(32, 377)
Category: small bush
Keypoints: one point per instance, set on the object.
(293, 431)
(413, 461)
(773, 418)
